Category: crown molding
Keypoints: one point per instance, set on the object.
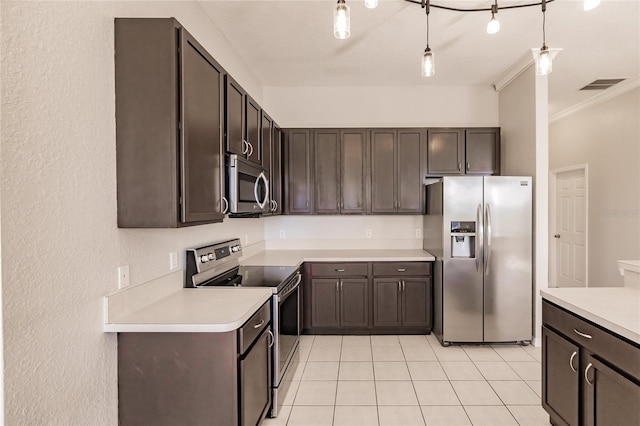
(525, 61)
(616, 90)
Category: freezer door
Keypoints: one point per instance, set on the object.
(462, 276)
(508, 258)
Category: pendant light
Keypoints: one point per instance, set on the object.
(494, 25)
(370, 4)
(428, 63)
(591, 4)
(543, 60)
(341, 21)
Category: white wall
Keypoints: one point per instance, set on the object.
(60, 243)
(422, 106)
(524, 123)
(606, 136)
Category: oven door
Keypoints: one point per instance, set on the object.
(287, 327)
(248, 187)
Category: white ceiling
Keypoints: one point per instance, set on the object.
(291, 43)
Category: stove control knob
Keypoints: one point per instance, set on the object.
(204, 258)
(235, 249)
(212, 256)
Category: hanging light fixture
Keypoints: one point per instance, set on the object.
(370, 4)
(543, 59)
(428, 64)
(494, 25)
(341, 21)
(591, 4)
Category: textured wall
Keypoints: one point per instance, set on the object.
(606, 136)
(60, 244)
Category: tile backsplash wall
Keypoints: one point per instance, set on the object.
(343, 232)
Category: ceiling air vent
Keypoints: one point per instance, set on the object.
(602, 84)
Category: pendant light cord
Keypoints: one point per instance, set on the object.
(427, 6)
(544, 21)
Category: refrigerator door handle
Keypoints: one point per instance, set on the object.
(479, 237)
(487, 262)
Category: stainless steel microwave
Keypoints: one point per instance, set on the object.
(248, 187)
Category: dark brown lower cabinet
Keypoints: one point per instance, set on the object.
(401, 302)
(339, 303)
(590, 376)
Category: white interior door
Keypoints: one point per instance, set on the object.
(570, 238)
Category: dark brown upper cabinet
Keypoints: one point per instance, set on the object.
(242, 122)
(169, 109)
(299, 172)
(276, 169)
(340, 159)
(473, 151)
(396, 170)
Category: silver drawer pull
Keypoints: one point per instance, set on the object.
(586, 370)
(585, 335)
(340, 270)
(573, 355)
(258, 325)
(401, 269)
(273, 339)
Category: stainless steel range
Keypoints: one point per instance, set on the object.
(217, 265)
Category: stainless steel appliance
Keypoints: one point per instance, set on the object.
(217, 265)
(248, 187)
(479, 229)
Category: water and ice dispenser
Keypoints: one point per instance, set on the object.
(463, 239)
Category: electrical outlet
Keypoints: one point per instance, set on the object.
(173, 261)
(123, 276)
(418, 233)
(283, 234)
(368, 233)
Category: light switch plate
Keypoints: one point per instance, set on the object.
(123, 276)
(173, 261)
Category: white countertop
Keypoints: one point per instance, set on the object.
(297, 257)
(614, 308)
(194, 310)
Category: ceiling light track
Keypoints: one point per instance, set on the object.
(481, 9)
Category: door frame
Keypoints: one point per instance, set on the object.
(553, 214)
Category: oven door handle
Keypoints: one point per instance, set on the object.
(262, 177)
(281, 297)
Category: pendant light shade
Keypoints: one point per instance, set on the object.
(428, 64)
(543, 61)
(591, 4)
(370, 4)
(341, 21)
(494, 25)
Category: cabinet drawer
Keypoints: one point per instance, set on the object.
(338, 269)
(401, 269)
(607, 346)
(253, 327)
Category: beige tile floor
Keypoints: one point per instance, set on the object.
(412, 381)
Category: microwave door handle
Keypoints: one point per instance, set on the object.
(266, 193)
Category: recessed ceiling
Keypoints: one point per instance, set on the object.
(291, 43)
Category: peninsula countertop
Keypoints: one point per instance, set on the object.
(614, 308)
(297, 257)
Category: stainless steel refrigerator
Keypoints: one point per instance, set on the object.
(479, 229)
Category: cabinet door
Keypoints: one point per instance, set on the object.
(325, 304)
(299, 178)
(482, 149)
(276, 169)
(234, 117)
(383, 172)
(201, 138)
(416, 302)
(387, 305)
(610, 398)
(354, 171)
(255, 382)
(267, 140)
(445, 151)
(253, 113)
(410, 185)
(560, 378)
(354, 302)
(327, 173)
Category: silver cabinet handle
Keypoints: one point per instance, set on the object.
(581, 334)
(258, 325)
(459, 167)
(226, 205)
(339, 270)
(586, 371)
(276, 209)
(337, 286)
(273, 339)
(250, 149)
(341, 284)
(399, 286)
(403, 285)
(245, 147)
(401, 269)
(573, 355)
(468, 166)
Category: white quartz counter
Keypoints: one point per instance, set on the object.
(297, 257)
(614, 308)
